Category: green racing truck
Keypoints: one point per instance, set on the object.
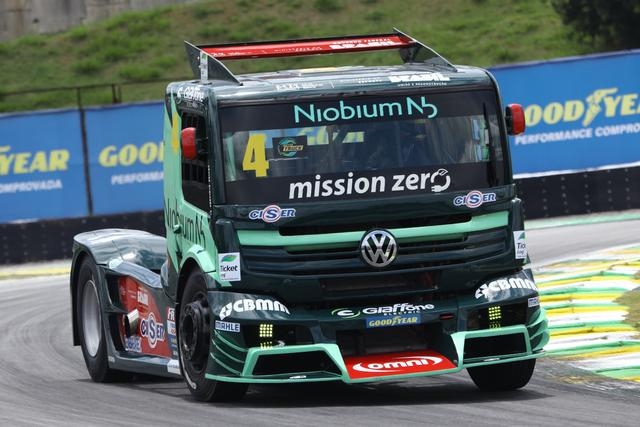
(352, 224)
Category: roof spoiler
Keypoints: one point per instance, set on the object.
(205, 60)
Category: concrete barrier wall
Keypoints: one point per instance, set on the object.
(20, 17)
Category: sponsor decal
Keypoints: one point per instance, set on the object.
(171, 331)
(143, 297)
(272, 213)
(362, 81)
(435, 182)
(171, 322)
(193, 228)
(520, 244)
(387, 321)
(396, 364)
(365, 43)
(152, 330)
(422, 79)
(378, 248)
(173, 366)
(204, 66)
(190, 93)
(302, 86)
(289, 146)
(408, 107)
(488, 289)
(246, 304)
(474, 199)
(229, 264)
(389, 310)
(227, 326)
(533, 302)
(132, 344)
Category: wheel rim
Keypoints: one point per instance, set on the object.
(91, 318)
(194, 335)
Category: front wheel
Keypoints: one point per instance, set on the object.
(194, 340)
(503, 376)
(89, 320)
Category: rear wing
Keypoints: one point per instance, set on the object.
(206, 60)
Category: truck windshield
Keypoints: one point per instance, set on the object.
(361, 147)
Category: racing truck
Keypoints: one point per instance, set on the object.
(349, 223)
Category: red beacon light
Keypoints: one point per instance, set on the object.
(188, 143)
(515, 119)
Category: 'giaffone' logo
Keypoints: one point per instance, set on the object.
(378, 248)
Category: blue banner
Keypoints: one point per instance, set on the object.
(582, 113)
(41, 166)
(125, 157)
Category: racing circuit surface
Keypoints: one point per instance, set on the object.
(43, 379)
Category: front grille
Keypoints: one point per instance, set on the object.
(341, 261)
(296, 363)
(382, 340)
(494, 346)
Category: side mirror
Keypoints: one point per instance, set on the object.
(515, 119)
(188, 143)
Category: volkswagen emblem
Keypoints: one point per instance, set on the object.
(378, 248)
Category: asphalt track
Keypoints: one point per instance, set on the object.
(43, 380)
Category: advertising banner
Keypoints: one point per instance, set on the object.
(125, 157)
(41, 166)
(582, 113)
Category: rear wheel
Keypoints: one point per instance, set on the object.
(89, 320)
(194, 340)
(503, 376)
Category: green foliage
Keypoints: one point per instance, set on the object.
(606, 24)
(327, 6)
(139, 72)
(88, 65)
(631, 300)
(78, 33)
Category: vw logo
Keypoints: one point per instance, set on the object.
(378, 248)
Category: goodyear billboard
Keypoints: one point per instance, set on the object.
(125, 157)
(582, 113)
(41, 166)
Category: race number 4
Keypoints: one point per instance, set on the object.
(255, 157)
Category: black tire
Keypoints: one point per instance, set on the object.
(90, 325)
(503, 376)
(194, 338)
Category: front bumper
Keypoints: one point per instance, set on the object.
(257, 339)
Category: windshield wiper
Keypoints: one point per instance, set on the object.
(491, 167)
